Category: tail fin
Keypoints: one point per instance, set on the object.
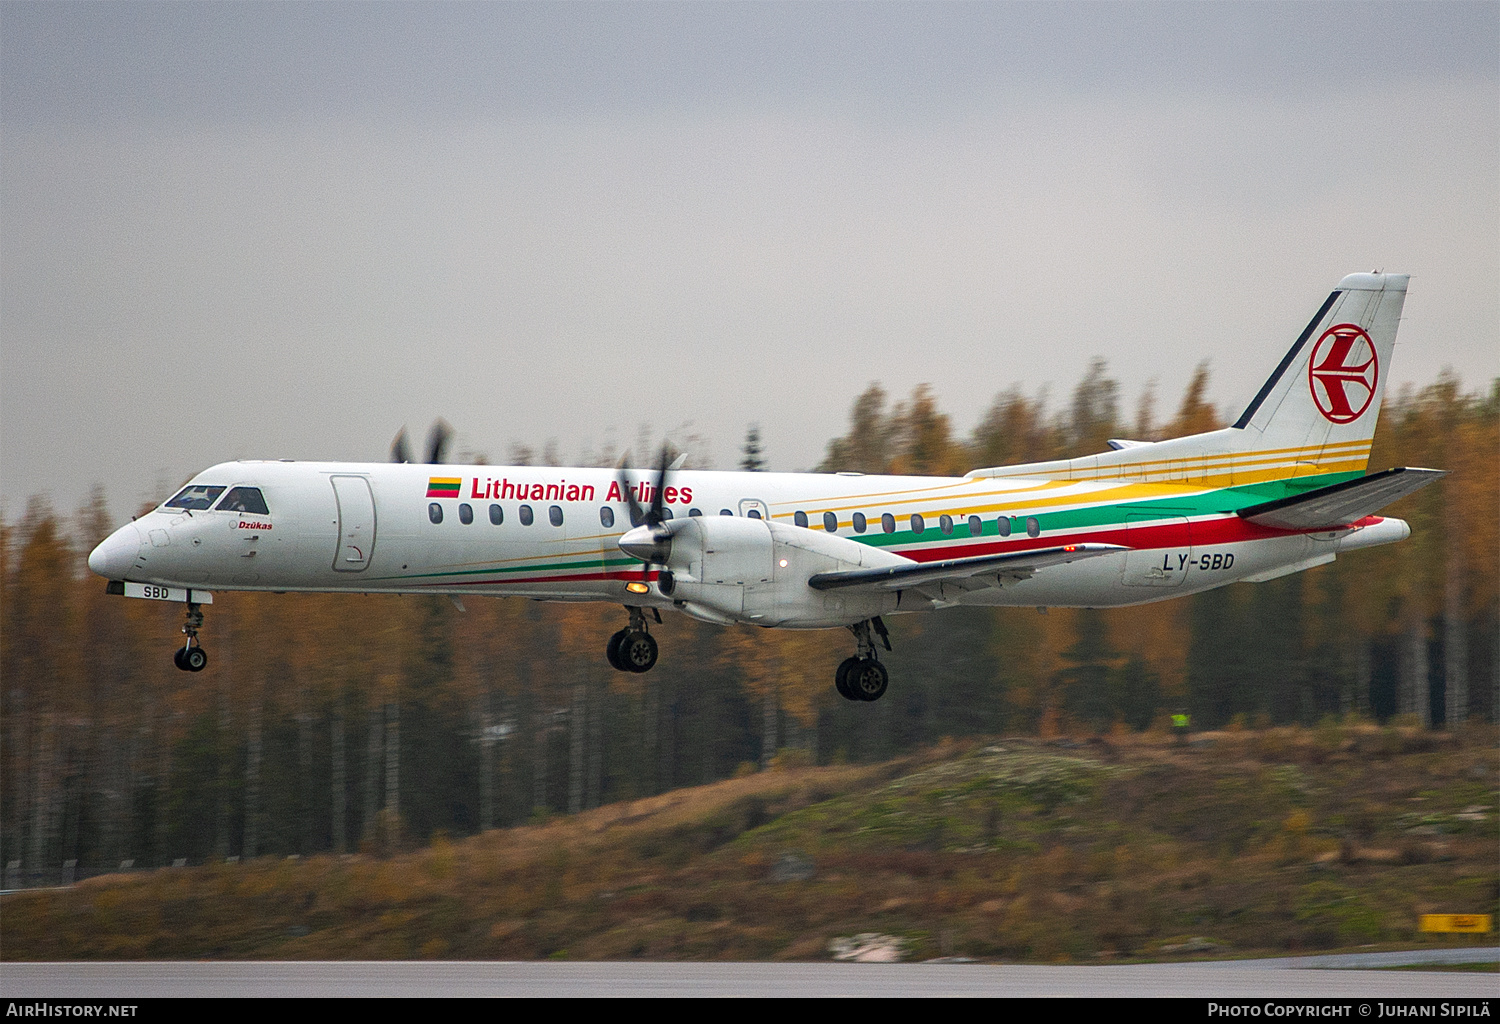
(1325, 395)
(1314, 417)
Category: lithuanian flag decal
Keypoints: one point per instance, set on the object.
(443, 486)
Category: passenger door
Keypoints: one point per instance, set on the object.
(356, 510)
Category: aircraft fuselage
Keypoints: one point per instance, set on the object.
(381, 528)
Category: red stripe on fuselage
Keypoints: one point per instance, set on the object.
(1230, 529)
(623, 575)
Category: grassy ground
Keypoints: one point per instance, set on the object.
(1135, 847)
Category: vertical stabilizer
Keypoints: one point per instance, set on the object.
(1326, 392)
(1313, 419)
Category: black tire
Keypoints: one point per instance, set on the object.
(868, 679)
(194, 659)
(841, 679)
(612, 650)
(177, 659)
(638, 651)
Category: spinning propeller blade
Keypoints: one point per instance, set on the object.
(401, 447)
(437, 443)
(652, 546)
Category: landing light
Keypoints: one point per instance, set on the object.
(637, 587)
(783, 563)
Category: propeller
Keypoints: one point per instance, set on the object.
(437, 443)
(650, 541)
(401, 448)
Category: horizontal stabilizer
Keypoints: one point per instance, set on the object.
(1341, 504)
(1015, 563)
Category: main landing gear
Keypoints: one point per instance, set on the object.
(633, 649)
(863, 677)
(191, 657)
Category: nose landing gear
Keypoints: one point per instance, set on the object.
(863, 677)
(191, 657)
(633, 649)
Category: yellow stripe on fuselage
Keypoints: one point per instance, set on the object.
(1187, 475)
(1336, 455)
(1132, 482)
(1210, 469)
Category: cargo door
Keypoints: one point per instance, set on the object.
(1161, 550)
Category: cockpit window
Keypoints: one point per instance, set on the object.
(244, 499)
(195, 497)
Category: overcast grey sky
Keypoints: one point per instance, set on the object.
(285, 230)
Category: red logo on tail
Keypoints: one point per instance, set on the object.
(1342, 373)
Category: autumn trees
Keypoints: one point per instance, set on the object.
(336, 722)
(1406, 629)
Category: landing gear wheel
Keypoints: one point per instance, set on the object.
(637, 651)
(867, 680)
(841, 679)
(190, 659)
(612, 650)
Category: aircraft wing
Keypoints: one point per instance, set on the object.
(1016, 564)
(1340, 504)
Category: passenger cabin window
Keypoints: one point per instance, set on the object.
(554, 515)
(666, 513)
(526, 516)
(195, 497)
(976, 526)
(945, 523)
(606, 516)
(694, 512)
(435, 512)
(918, 524)
(754, 513)
(859, 522)
(1003, 524)
(244, 499)
(465, 513)
(497, 514)
(725, 512)
(830, 522)
(888, 523)
(1033, 528)
(800, 518)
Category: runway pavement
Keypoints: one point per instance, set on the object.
(1287, 977)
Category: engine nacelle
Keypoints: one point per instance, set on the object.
(732, 569)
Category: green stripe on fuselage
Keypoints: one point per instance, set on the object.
(1222, 501)
(592, 563)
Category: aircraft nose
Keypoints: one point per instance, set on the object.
(113, 558)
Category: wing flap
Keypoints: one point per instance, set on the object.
(1339, 505)
(960, 571)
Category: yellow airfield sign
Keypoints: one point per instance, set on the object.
(1456, 923)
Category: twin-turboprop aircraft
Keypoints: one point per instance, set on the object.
(1281, 490)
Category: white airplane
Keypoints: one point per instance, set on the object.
(1281, 490)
